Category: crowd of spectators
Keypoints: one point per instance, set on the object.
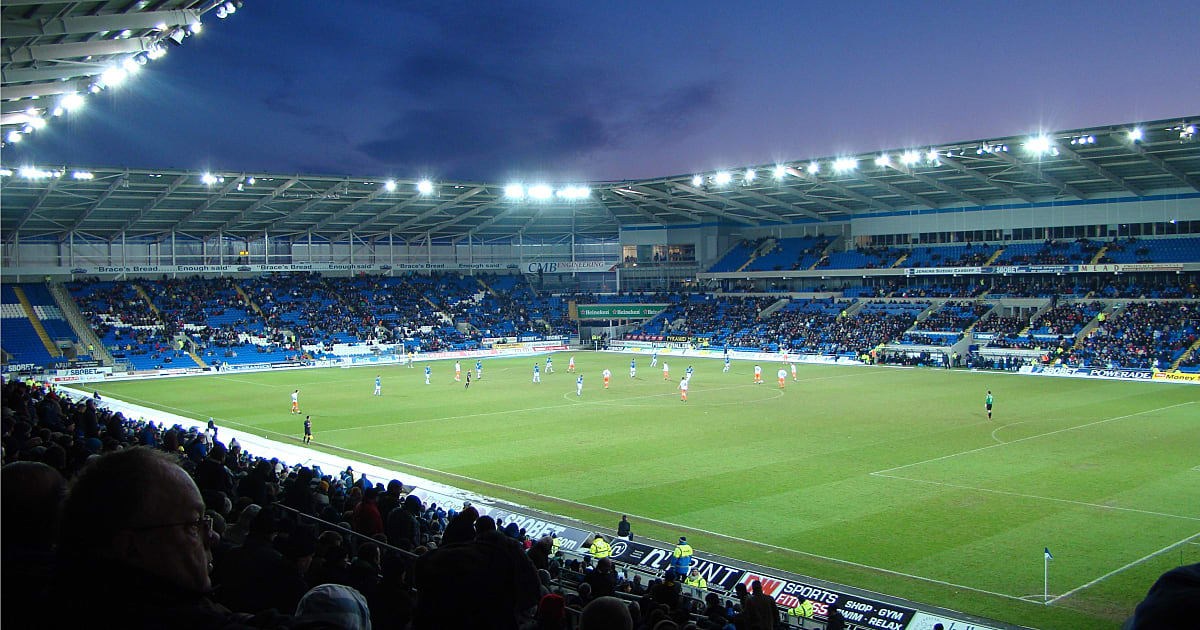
(953, 316)
(193, 532)
(1140, 335)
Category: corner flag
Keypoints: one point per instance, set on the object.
(1048, 556)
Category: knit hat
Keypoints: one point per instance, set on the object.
(340, 606)
(552, 607)
(683, 540)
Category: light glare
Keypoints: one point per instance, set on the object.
(540, 191)
(514, 190)
(697, 180)
(722, 178)
(1040, 144)
(425, 187)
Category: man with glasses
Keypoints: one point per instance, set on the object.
(134, 522)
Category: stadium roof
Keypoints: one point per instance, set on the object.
(55, 49)
(1065, 166)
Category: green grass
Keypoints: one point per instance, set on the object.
(886, 479)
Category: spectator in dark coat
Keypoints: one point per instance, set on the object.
(211, 473)
(404, 525)
(481, 584)
(603, 578)
(32, 493)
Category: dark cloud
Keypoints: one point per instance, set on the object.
(448, 74)
(682, 107)
(285, 102)
(473, 144)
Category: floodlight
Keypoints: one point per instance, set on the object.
(58, 111)
(845, 164)
(514, 190)
(1039, 144)
(14, 136)
(722, 178)
(208, 179)
(195, 27)
(780, 171)
(82, 175)
(125, 34)
(574, 192)
(389, 185)
(540, 191)
(250, 180)
(1135, 134)
(37, 123)
(932, 156)
(910, 157)
(5, 172)
(697, 180)
(425, 187)
(749, 176)
(814, 168)
(113, 76)
(221, 12)
(71, 101)
(883, 160)
(130, 65)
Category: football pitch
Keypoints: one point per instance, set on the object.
(881, 478)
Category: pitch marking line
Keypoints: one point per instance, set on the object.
(1131, 564)
(1034, 496)
(1011, 424)
(1031, 437)
(552, 499)
(568, 404)
(670, 524)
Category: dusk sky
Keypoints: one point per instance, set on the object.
(595, 91)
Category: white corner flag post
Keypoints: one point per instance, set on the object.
(1046, 576)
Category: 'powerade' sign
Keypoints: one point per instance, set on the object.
(1083, 372)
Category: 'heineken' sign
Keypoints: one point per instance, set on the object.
(620, 311)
